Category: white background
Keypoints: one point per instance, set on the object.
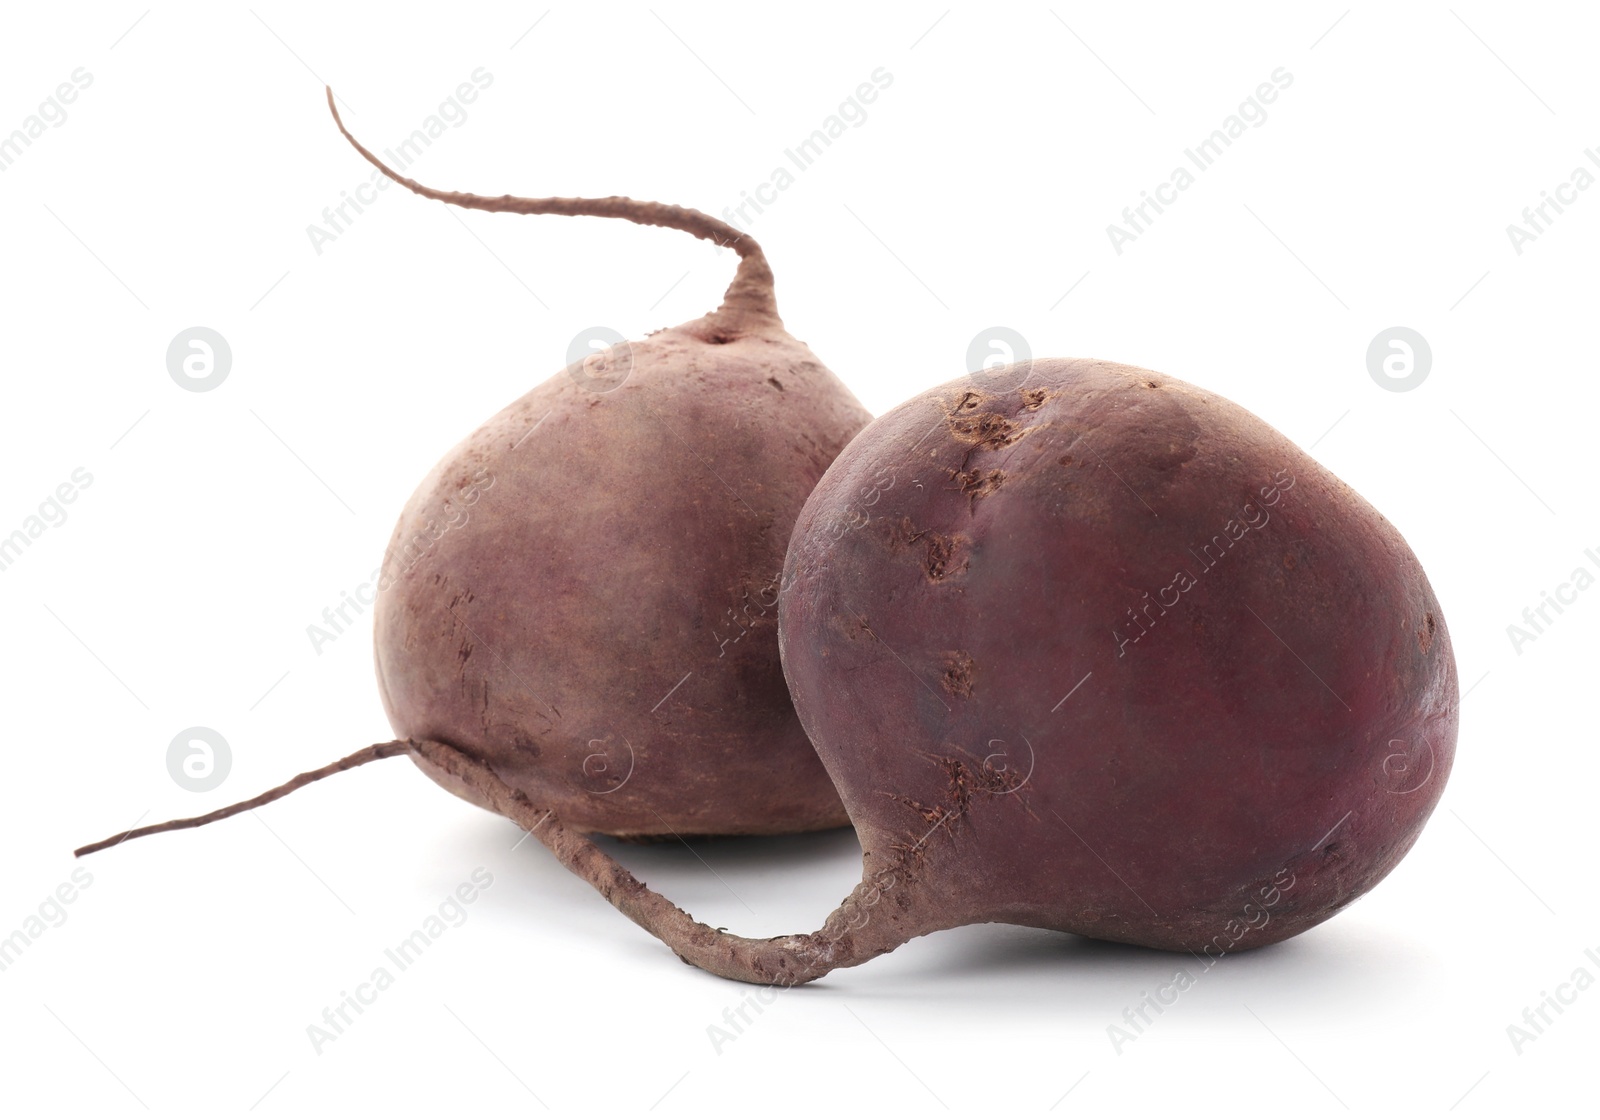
(219, 525)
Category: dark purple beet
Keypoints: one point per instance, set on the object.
(1113, 656)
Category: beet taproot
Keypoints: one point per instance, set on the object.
(1101, 653)
(580, 598)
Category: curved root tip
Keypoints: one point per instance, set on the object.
(750, 302)
(360, 758)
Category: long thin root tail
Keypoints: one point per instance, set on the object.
(749, 298)
(350, 762)
(857, 931)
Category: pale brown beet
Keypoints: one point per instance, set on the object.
(581, 597)
(600, 628)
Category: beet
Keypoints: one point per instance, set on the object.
(1114, 657)
(603, 632)
(581, 597)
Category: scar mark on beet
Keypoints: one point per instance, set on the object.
(979, 430)
(964, 780)
(983, 431)
(977, 484)
(939, 561)
(959, 671)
